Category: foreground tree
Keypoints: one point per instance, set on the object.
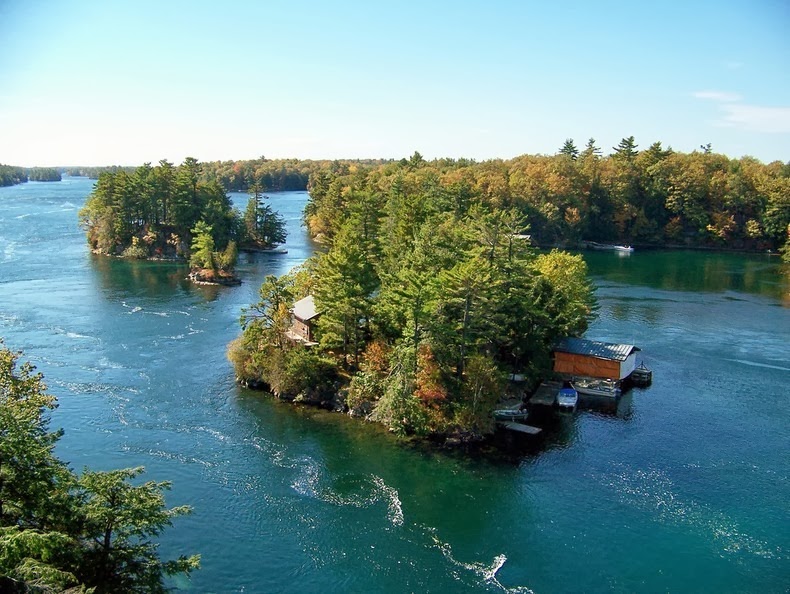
(62, 532)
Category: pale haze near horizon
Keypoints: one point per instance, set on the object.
(102, 83)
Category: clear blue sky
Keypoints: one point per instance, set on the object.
(111, 82)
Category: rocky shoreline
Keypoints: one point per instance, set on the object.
(335, 402)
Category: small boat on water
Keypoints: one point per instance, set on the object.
(511, 414)
(592, 386)
(567, 399)
(625, 249)
(642, 376)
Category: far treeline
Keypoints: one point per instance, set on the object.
(167, 211)
(427, 299)
(654, 197)
(269, 175)
(10, 175)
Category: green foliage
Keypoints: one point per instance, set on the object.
(59, 531)
(137, 213)
(433, 261)
(202, 247)
(43, 174)
(447, 287)
(137, 250)
(10, 176)
(263, 228)
(119, 520)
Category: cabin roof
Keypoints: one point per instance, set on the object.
(593, 348)
(304, 309)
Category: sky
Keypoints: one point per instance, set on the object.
(102, 82)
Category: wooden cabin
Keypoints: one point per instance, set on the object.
(303, 320)
(590, 358)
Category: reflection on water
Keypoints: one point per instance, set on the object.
(694, 271)
(121, 276)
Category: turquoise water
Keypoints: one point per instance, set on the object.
(683, 488)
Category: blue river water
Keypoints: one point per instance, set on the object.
(683, 488)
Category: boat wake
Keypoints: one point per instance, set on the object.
(654, 492)
(487, 573)
(755, 364)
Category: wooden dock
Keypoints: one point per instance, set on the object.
(519, 427)
(546, 394)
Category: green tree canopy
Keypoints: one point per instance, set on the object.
(61, 531)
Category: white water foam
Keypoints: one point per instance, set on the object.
(487, 573)
(310, 482)
(395, 514)
(755, 364)
(654, 492)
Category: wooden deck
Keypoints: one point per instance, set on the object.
(520, 427)
(546, 394)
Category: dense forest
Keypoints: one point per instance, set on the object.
(428, 300)
(273, 175)
(95, 172)
(60, 531)
(267, 175)
(653, 197)
(429, 295)
(169, 212)
(43, 174)
(10, 175)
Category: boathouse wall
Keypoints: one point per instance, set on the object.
(587, 366)
(583, 365)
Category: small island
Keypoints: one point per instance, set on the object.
(177, 213)
(425, 301)
(11, 176)
(43, 174)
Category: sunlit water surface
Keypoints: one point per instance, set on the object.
(683, 488)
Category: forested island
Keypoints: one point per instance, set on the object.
(10, 176)
(60, 531)
(422, 305)
(43, 174)
(169, 212)
(429, 294)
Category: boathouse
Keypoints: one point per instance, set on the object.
(303, 320)
(590, 358)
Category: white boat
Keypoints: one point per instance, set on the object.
(510, 414)
(591, 386)
(608, 246)
(567, 399)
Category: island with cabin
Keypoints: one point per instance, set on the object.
(423, 307)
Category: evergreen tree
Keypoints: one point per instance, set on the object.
(62, 532)
(569, 149)
(202, 247)
(626, 149)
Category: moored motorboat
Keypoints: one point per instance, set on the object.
(623, 248)
(511, 414)
(567, 399)
(592, 386)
